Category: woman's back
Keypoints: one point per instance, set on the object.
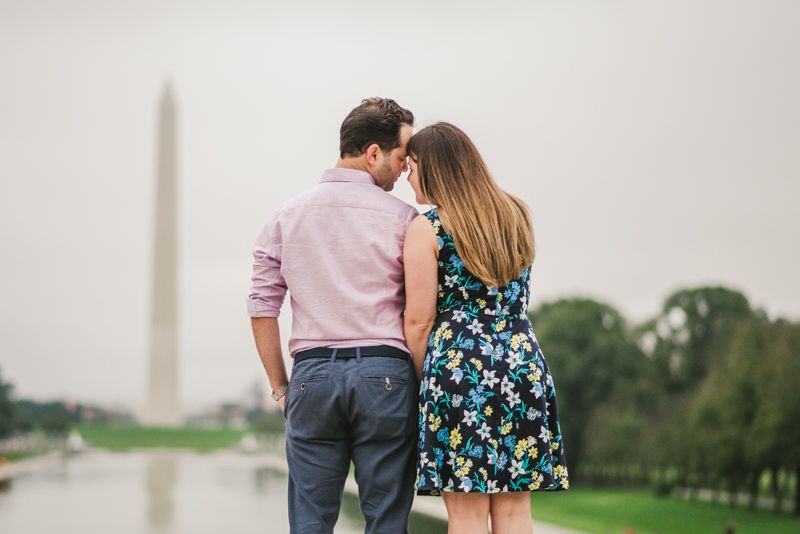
(460, 289)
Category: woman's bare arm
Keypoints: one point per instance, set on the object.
(420, 255)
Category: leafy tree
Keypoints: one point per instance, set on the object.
(747, 417)
(51, 417)
(8, 412)
(773, 440)
(595, 365)
(693, 330)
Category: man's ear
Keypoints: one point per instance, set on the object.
(373, 154)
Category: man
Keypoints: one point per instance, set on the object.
(337, 249)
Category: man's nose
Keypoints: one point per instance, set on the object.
(405, 165)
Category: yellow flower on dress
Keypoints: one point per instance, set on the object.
(519, 448)
(506, 428)
(460, 461)
(436, 424)
(501, 325)
(488, 410)
(527, 346)
(455, 438)
(448, 334)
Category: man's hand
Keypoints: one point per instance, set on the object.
(281, 402)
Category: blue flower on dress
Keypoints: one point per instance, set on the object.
(502, 461)
(468, 344)
(476, 451)
(439, 456)
(491, 456)
(444, 436)
(466, 484)
(510, 441)
(505, 336)
(440, 241)
(475, 394)
(457, 375)
(456, 262)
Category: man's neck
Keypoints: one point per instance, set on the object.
(357, 164)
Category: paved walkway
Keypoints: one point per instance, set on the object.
(431, 506)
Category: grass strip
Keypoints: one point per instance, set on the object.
(123, 438)
(614, 511)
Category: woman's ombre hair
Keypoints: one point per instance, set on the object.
(491, 229)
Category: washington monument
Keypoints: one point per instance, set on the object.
(162, 407)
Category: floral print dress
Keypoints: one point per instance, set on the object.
(488, 417)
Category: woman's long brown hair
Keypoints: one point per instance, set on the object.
(491, 229)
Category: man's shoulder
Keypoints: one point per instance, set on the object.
(348, 196)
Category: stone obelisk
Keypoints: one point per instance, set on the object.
(162, 408)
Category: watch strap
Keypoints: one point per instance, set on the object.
(276, 395)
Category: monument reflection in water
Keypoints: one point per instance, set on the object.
(155, 492)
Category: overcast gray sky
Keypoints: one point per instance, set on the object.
(656, 142)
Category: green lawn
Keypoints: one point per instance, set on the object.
(613, 511)
(17, 456)
(122, 438)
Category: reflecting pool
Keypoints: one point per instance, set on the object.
(157, 492)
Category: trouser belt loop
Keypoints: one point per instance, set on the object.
(358, 354)
(333, 356)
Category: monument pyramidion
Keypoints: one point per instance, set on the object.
(162, 406)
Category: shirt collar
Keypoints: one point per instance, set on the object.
(340, 174)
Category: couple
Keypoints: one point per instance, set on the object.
(413, 354)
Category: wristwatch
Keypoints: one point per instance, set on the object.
(276, 395)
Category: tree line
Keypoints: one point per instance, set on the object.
(704, 395)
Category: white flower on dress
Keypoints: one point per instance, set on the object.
(489, 378)
(423, 458)
(545, 435)
(436, 392)
(513, 399)
(516, 468)
(459, 315)
(476, 327)
(484, 431)
(470, 417)
(513, 360)
(491, 486)
(487, 349)
(452, 461)
(507, 386)
(450, 281)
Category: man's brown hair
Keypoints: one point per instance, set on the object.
(374, 121)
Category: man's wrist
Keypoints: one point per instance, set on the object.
(276, 395)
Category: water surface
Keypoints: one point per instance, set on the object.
(159, 492)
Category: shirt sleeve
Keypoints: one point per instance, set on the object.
(269, 288)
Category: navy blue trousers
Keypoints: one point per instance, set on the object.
(343, 410)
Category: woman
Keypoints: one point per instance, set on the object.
(489, 432)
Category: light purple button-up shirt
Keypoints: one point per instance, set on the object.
(338, 249)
